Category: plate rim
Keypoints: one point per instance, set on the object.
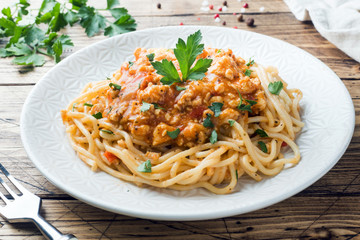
(214, 214)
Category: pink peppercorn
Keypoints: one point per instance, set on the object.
(234, 13)
(216, 15)
(181, 23)
(220, 9)
(235, 27)
(246, 5)
(211, 7)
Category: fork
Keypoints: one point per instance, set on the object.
(25, 208)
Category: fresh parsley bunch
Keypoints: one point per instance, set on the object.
(186, 54)
(29, 42)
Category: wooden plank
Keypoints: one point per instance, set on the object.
(297, 217)
(282, 26)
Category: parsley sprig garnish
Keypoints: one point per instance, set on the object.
(275, 87)
(186, 54)
(245, 107)
(31, 37)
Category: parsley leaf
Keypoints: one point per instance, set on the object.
(145, 167)
(251, 102)
(250, 63)
(156, 106)
(261, 133)
(151, 56)
(130, 64)
(262, 146)
(31, 59)
(207, 122)
(244, 107)
(107, 131)
(178, 88)
(168, 70)
(213, 137)
(112, 3)
(145, 106)
(91, 20)
(248, 72)
(124, 22)
(216, 108)
(231, 122)
(97, 115)
(57, 49)
(88, 104)
(275, 87)
(174, 133)
(186, 54)
(115, 86)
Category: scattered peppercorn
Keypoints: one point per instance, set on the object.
(234, 13)
(216, 15)
(250, 22)
(224, 23)
(211, 7)
(159, 5)
(220, 9)
(225, 3)
(240, 18)
(235, 27)
(245, 5)
(181, 23)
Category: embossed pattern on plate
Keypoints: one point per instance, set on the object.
(323, 140)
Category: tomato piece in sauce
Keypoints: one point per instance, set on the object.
(197, 112)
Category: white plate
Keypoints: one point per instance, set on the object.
(327, 111)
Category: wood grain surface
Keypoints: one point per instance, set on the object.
(329, 209)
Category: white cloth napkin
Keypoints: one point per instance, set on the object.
(336, 20)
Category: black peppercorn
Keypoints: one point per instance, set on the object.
(225, 3)
(250, 22)
(240, 18)
(224, 23)
(159, 5)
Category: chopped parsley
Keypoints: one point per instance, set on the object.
(275, 87)
(236, 173)
(262, 146)
(88, 104)
(216, 108)
(130, 64)
(151, 56)
(218, 51)
(213, 137)
(245, 107)
(180, 88)
(140, 83)
(157, 106)
(248, 72)
(145, 167)
(261, 133)
(231, 122)
(207, 122)
(107, 131)
(186, 54)
(110, 109)
(145, 106)
(97, 115)
(250, 63)
(174, 133)
(114, 86)
(74, 106)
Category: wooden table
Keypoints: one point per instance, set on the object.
(330, 208)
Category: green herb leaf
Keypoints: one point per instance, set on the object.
(145, 106)
(115, 86)
(207, 122)
(57, 49)
(77, 4)
(275, 87)
(213, 137)
(107, 131)
(250, 63)
(98, 115)
(244, 107)
(174, 133)
(261, 133)
(262, 146)
(216, 108)
(71, 17)
(168, 70)
(112, 3)
(124, 22)
(91, 20)
(236, 173)
(34, 36)
(57, 21)
(157, 106)
(31, 59)
(248, 72)
(88, 104)
(231, 122)
(178, 88)
(251, 102)
(130, 64)
(199, 70)
(140, 83)
(151, 56)
(74, 106)
(145, 167)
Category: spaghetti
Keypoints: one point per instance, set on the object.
(194, 134)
